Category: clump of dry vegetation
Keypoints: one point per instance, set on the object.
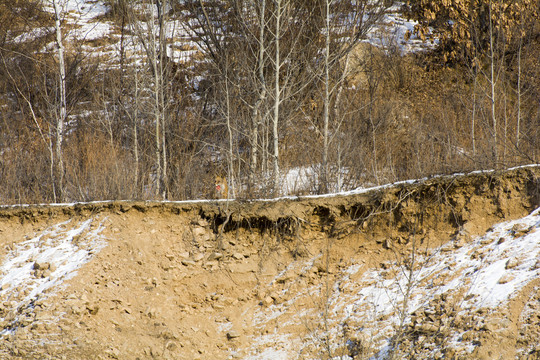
(146, 122)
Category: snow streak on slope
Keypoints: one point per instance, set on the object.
(43, 263)
(372, 306)
(392, 30)
(83, 14)
(86, 22)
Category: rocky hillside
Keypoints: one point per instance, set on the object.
(445, 267)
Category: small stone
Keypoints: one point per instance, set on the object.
(201, 233)
(511, 263)
(114, 353)
(287, 276)
(387, 244)
(519, 230)
(427, 328)
(319, 266)
(486, 241)
(187, 262)
(203, 222)
(215, 256)
(233, 334)
(460, 242)
(150, 312)
(268, 301)
(496, 325)
(77, 310)
(168, 335)
(237, 256)
(198, 257)
(450, 353)
(41, 266)
(92, 309)
(211, 265)
(505, 279)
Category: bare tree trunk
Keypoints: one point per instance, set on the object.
(326, 106)
(61, 117)
(153, 54)
(505, 133)
(518, 120)
(257, 113)
(277, 96)
(230, 162)
(161, 6)
(492, 83)
(372, 88)
(135, 120)
(155, 46)
(157, 56)
(473, 118)
(341, 37)
(265, 146)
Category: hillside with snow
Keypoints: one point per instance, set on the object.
(86, 22)
(129, 98)
(446, 267)
(120, 119)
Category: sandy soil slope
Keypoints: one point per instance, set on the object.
(418, 269)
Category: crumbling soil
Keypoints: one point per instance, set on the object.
(187, 280)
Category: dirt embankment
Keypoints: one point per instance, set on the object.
(188, 280)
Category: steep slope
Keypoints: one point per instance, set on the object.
(395, 269)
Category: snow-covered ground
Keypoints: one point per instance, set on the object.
(36, 267)
(83, 14)
(485, 273)
(393, 31)
(86, 22)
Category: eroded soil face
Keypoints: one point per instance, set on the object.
(261, 280)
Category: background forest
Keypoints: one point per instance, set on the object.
(152, 99)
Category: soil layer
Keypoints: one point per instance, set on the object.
(187, 280)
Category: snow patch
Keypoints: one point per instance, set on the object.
(44, 262)
(486, 273)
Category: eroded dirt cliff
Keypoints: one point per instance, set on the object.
(264, 279)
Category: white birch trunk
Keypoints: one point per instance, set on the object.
(492, 83)
(277, 98)
(257, 113)
(61, 116)
(323, 187)
(162, 6)
(154, 59)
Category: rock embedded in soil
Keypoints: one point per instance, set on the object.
(511, 263)
(232, 334)
(215, 256)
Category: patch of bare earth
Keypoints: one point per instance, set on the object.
(258, 279)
